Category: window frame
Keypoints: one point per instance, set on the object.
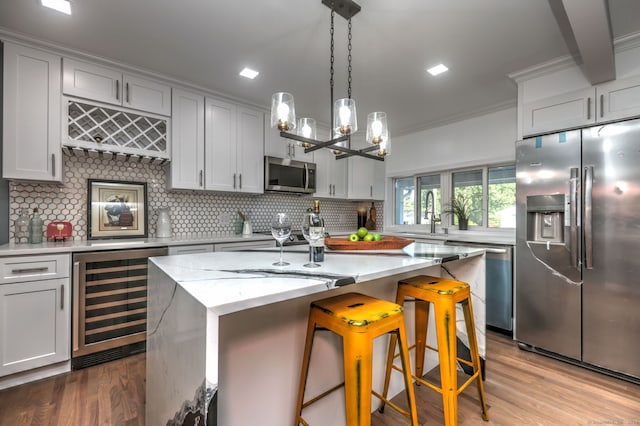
(446, 189)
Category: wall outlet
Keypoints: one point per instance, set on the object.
(342, 218)
(225, 219)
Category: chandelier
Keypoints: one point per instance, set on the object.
(344, 121)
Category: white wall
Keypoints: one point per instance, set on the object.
(487, 139)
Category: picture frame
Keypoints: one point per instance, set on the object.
(116, 209)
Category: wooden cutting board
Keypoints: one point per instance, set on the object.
(386, 243)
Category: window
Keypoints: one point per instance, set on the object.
(428, 184)
(468, 184)
(502, 197)
(491, 192)
(404, 201)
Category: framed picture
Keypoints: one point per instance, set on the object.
(117, 209)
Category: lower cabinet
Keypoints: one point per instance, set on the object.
(35, 326)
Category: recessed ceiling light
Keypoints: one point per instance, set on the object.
(438, 69)
(63, 6)
(249, 73)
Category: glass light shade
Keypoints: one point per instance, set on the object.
(283, 111)
(384, 148)
(307, 128)
(344, 116)
(336, 135)
(377, 130)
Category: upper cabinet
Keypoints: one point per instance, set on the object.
(233, 147)
(366, 176)
(331, 174)
(618, 99)
(187, 141)
(216, 145)
(31, 115)
(111, 86)
(574, 109)
(277, 146)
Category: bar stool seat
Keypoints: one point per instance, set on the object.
(358, 319)
(444, 294)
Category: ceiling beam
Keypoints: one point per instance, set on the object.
(586, 27)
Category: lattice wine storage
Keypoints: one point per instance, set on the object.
(102, 129)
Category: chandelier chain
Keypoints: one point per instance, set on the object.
(349, 63)
(332, 60)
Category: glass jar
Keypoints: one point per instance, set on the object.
(21, 227)
(163, 226)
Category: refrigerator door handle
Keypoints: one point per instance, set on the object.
(588, 205)
(573, 217)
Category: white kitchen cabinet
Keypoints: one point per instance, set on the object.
(233, 147)
(191, 249)
(237, 246)
(331, 174)
(574, 109)
(366, 176)
(31, 131)
(112, 86)
(615, 100)
(34, 312)
(277, 146)
(618, 99)
(186, 170)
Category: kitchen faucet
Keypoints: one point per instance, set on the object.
(434, 219)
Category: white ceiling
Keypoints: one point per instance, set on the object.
(207, 42)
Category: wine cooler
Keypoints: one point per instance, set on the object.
(109, 304)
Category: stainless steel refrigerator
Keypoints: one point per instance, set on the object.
(578, 245)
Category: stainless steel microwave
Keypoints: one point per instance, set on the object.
(286, 175)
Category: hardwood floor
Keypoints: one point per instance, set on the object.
(522, 389)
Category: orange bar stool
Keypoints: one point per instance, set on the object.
(358, 319)
(444, 294)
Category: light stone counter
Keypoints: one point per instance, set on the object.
(226, 330)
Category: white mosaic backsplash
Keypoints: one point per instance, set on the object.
(193, 213)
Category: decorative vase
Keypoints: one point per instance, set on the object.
(163, 226)
(463, 224)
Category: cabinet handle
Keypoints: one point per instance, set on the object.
(76, 308)
(27, 270)
(53, 165)
(240, 179)
(117, 90)
(371, 190)
(201, 177)
(62, 297)
(126, 87)
(601, 105)
(293, 150)
(589, 108)
(234, 181)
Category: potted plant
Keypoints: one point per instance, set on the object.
(460, 206)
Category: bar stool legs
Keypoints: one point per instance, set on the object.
(443, 294)
(358, 319)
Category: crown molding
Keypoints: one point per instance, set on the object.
(627, 42)
(548, 67)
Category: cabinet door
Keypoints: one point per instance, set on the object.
(31, 130)
(187, 141)
(146, 95)
(249, 153)
(618, 99)
(90, 81)
(574, 109)
(379, 180)
(339, 175)
(34, 325)
(220, 146)
(324, 178)
(361, 178)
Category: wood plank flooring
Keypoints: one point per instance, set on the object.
(522, 389)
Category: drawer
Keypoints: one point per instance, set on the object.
(31, 268)
(192, 249)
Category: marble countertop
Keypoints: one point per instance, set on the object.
(13, 249)
(229, 282)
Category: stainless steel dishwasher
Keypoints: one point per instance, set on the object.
(499, 283)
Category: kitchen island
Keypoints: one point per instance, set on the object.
(226, 330)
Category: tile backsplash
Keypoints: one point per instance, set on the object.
(193, 213)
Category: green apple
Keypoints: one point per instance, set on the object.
(376, 236)
(353, 237)
(361, 232)
(368, 237)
